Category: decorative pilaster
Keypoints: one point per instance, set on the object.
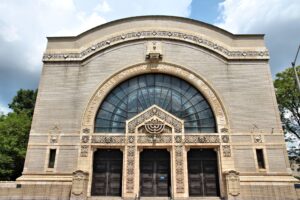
(79, 185)
(232, 183)
(130, 171)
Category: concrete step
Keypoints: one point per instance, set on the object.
(154, 198)
(104, 198)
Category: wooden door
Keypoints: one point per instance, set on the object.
(203, 173)
(155, 173)
(107, 173)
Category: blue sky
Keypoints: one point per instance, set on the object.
(24, 26)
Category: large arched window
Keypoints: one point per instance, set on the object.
(168, 92)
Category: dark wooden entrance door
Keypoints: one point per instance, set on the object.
(154, 172)
(107, 173)
(203, 172)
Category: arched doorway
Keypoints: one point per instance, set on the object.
(107, 172)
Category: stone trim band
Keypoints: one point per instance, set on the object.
(201, 41)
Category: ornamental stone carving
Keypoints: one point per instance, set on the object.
(85, 139)
(179, 169)
(53, 139)
(191, 38)
(225, 138)
(201, 139)
(84, 150)
(233, 182)
(154, 119)
(178, 138)
(131, 150)
(226, 150)
(79, 185)
(54, 134)
(257, 138)
(154, 126)
(108, 139)
(154, 139)
(154, 51)
(86, 130)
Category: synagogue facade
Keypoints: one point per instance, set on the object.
(156, 106)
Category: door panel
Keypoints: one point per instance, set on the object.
(155, 173)
(203, 173)
(107, 174)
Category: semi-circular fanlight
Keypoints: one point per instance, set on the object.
(168, 92)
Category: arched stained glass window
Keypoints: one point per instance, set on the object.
(168, 92)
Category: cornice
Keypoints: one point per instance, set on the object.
(201, 41)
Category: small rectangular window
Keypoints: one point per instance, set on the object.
(260, 159)
(52, 155)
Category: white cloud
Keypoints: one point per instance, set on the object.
(9, 33)
(102, 7)
(24, 26)
(278, 19)
(4, 109)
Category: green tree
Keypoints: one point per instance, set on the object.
(24, 101)
(288, 97)
(14, 133)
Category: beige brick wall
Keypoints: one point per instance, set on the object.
(244, 159)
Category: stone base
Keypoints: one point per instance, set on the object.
(268, 191)
(62, 191)
(49, 191)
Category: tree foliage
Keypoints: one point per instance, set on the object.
(14, 133)
(24, 101)
(288, 97)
